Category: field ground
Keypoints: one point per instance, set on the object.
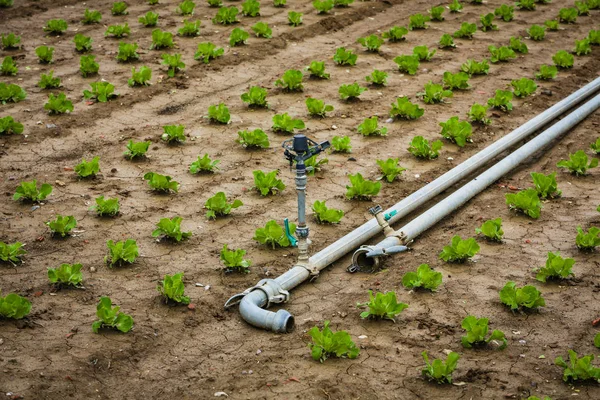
(174, 352)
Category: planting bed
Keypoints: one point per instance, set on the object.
(180, 352)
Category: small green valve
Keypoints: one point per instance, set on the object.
(389, 215)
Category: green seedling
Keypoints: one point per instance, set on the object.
(424, 277)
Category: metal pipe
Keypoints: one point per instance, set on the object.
(432, 216)
(250, 307)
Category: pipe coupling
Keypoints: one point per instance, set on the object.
(272, 290)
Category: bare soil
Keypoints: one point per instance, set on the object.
(175, 352)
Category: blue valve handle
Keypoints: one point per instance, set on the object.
(291, 238)
(389, 215)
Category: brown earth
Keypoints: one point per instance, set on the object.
(174, 352)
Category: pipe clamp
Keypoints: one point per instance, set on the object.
(272, 290)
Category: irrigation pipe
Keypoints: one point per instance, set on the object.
(268, 291)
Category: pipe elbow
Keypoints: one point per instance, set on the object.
(252, 312)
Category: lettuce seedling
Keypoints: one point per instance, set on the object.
(408, 64)
(161, 183)
(273, 234)
(14, 306)
(234, 260)
(344, 57)
(313, 165)
(9, 126)
(351, 91)
(421, 148)
(261, 29)
(580, 369)
(460, 80)
(118, 31)
(141, 77)
(326, 215)
(458, 132)
(568, 15)
(390, 169)
(556, 268)
(547, 72)
(256, 139)
(226, 16)
(152, 2)
(587, 241)
(317, 70)
(267, 183)
(377, 78)
(170, 228)
(11, 93)
(577, 163)
(295, 18)
(597, 340)
(11, 253)
(545, 185)
(327, 343)
(279, 3)
(528, 5)
(173, 134)
(58, 104)
(66, 274)
(466, 31)
(418, 21)
(342, 3)
(404, 109)
(395, 34)
(291, 80)
(487, 22)
(523, 87)
(62, 225)
(551, 24)
(91, 17)
(459, 250)
(438, 370)
(583, 8)
(204, 164)
(219, 113)
(149, 19)
(434, 93)
(341, 144)
(526, 202)
(424, 277)
(473, 67)
(172, 288)
(505, 12)
(56, 26)
(582, 47)
(101, 91)
(477, 330)
(423, 53)
(106, 207)
(238, 37)
(82, 43)
(503, 53)
(10, 41)
(382, 306)
(370, 127)
(111, 317)
(478, 113)
(446, 42)
(595, 146)
(518, 45)
(251, 8)
(45, 54)
(562, 59)
(119, 8)
(436, 13)
(537, 32)
(455, 6)
(190, 28)
(491, 229)
(8, 67)
(360, 188)
(214, 3)
(371, 42)
(594, 35)
(285, 123)
(161, 40)
(29, 191)
(88, 169)
(323, 6)
(218, 206)
(127, 52)
(122, 252)
(502, 100)
(318, 107)
(208, 51)
(255, 97)
(88, 65)
(173, 61)
(137, 149)
(526, 297)
(186, 7)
